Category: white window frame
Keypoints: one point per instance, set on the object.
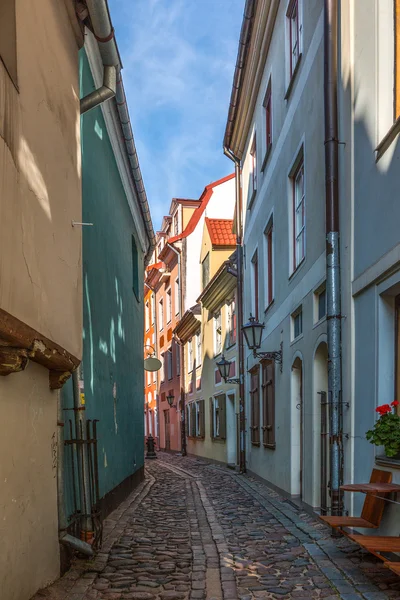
(216, 429)
(298, 311)
(320, 289)
(291, 65)
(199, 349)
(229, 326)
(161, 313)
(255, 298)
(217, 325)
(269, 254)
(300, 159)
(190, 355)
(197, 419)
(169, 305)
(162, 369)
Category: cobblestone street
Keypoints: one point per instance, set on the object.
(193, 530)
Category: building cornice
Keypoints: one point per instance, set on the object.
(253, 69)
(220, 289)
(189, 324)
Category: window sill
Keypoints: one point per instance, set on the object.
(297, 339)
(230, 346)
(385, 461)
(297, 269)
(218, 439)
(256, 444)
(292, 79)
(388, 139)
(270, 446)
(269, 306)
(266, 157)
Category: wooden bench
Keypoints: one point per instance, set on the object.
(378, 544)
(372, 511)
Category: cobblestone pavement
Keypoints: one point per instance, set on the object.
(196, 531)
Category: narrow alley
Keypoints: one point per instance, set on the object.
(194, 530)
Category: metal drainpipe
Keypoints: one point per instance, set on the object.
(64, 537)
(105, 92)
(239, 258)
(155, 348)
(183, 416)
(333, 291)
(83, 463)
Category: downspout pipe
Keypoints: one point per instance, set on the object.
(239, 300)
(104, 34)
(105, 92)
(182, 372)
(333, 290)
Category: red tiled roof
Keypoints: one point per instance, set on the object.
(157, 265)
(220, 231)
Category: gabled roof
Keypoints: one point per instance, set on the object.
(195, 218)
(220, 231)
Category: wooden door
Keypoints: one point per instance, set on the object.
(167, 430)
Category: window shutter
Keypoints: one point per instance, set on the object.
(202, 420)
(255, 408)
(222, 417)
(268, 394)
(211, 418)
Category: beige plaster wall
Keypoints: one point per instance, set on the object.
(28, 484)
(40, 177)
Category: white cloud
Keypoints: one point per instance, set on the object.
(178, 58)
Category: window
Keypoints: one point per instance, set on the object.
(269, 262)
(169, 306)
(254, 284)
(162, 369)
(8, 38)
(200, 420)
(152, 311)
(198, 349)
(177, 297)
(218, 417)
(191, 419)
(294, 37)
(231, 333)
(169, 364)
(176, 224)
(268, 399)
(178, 360)
(147, 315)
(320, 303)
(297, 323)
(299, 217)
(217, 334)
(135, 269)
(161, 314)
(205, 271)
(253, 167)
(255, 407)
(190, 355)
(268, 118)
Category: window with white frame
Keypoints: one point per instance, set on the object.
(269, 262)
(152, 309)
(268, 117)
(176, 223)
(178, 360)
(255, 285)
(297, 323)
(294, 34)
(253, 167)
(169, 364)
(298, 216)
(177, 297)
(162, 369)
(147, 315)
(320, 303)
(217, 333)
(161, 314)
(190, 355)
(198, 349)
(198, 417)
(216, 418)
(169, 306)
(231, 323)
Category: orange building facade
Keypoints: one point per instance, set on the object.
(150, 378)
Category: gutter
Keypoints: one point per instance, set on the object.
(103, 31)
(245, 34)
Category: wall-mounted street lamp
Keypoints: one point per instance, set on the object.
(151, 363)
(252, 332)
(224, 367)
(170, 400)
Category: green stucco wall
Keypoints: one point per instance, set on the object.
(113, 314)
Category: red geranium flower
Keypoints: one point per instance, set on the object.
(395, 403)
(384, 409)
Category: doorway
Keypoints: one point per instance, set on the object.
(320, 495)
(167, 429)
(297, 429)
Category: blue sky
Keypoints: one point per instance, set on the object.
(178, 58)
